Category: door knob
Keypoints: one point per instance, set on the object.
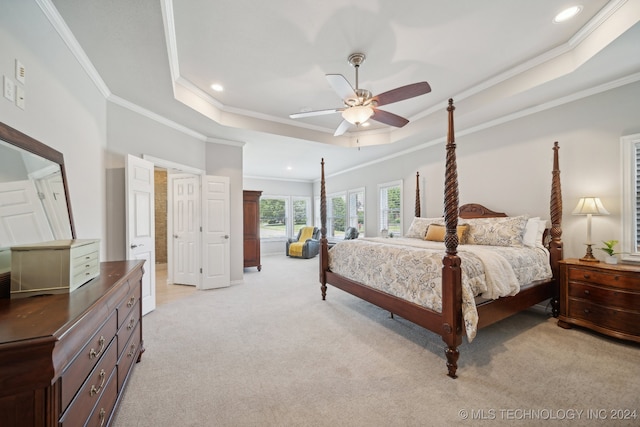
(226, 236)
(175, 236)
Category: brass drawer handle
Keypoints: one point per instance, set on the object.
(132, 351)
(131, 301)
(93, 353)
(132, 322)
(103, 416)
(95, 390)
(587, 276)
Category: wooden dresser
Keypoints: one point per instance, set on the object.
(602, 297)
(65, 358)
(251, 210)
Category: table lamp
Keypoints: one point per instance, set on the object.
(589, 206)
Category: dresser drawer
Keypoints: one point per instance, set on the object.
(124, 308)
(99, 414)
(606, 278)
(129, 356)
(606, 317)
(605, 296)
(127, 328)
(86, 360)
(92, 389)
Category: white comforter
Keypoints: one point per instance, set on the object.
(411, 269)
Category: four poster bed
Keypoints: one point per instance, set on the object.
(507, 265)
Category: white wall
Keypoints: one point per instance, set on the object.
(508, 167)
(64, 109)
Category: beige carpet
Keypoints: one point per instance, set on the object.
(270, 352)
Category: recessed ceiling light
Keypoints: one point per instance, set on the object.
(289, 168)
(567, 14)
(217, 87)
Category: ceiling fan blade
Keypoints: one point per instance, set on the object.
(342, 86)
(314, 113)
(402, 93)
(389, 118)
(342, 128)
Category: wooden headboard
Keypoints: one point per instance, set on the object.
(474, 210)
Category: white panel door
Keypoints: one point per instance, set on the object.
(22, 218)
(140, 224)
(215, 232)
(185, 228)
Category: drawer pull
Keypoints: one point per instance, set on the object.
(93, 353)
(131, 324)
(587, 311)
(88, 257)
(132, 351)
(131, 301)
(102, 416)
(95, 390)
(587, 292)
(587, 276)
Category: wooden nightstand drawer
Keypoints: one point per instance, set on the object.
(606, 278)
(606, 317)
(605, 296)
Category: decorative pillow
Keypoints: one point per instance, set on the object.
(418, 227)
(505, 231)
(533, 232)
(436, 233)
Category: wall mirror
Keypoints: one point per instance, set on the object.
(34, 202)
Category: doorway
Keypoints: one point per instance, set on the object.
(166, 290)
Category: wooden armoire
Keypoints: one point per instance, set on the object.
(251, 209)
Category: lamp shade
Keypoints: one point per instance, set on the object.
(358, 114)
(590, 205)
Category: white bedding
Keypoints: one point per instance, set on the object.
(411, 269)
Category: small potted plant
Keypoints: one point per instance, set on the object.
(611, 253)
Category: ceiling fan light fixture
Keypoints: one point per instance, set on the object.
(358, 114)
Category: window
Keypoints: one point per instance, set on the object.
(356, 209)
(276, 213)
(273, 217)
(390, 207)
(630, 147)
(301, 213)
(336, 214)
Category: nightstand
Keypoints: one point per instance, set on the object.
(601, 297)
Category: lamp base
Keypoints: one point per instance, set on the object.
(588, 257)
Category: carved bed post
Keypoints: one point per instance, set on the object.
(555, 245)
(324, 249)
(417, 207)
(451, 272)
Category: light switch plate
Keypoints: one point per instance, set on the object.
(20, 97)
(9, 89)
(20, 72)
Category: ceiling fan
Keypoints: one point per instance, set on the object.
(360, 105)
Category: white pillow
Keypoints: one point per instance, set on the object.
(501, 231)
(533, 232)
(418, 227)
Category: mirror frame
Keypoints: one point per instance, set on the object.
(25, 142)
